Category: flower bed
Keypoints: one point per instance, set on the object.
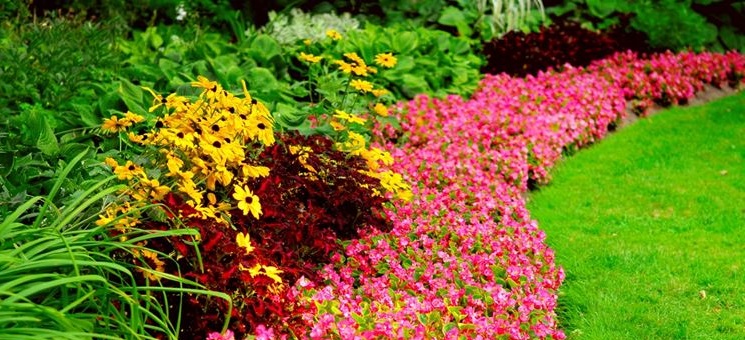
(464, 259)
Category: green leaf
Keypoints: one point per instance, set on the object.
(87, 116)
(261, 78)
(413, 85)
(452, 16)
(153, 38)
(264, 48)
(288, 116)
(132, 96)
(405, 42)
(46, 141)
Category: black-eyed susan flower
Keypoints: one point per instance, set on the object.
(381, 110)
(154, 188)
(386, 60)
(252, 171)
(247, 201)
(269, 271)
(354, 58)
(339, 114)
(309, 58)
(333, 34)
(344, 66)
(380, 92)
(363, 86)
(128, 171)
(260, 128)
(337, 126)
(244, 241)
(114, 124)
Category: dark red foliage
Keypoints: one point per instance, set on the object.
(519, 54)
(304, 217)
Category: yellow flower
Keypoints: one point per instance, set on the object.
(337, 126)
(138, 138)
(386, 60)
(344, 66)
(157, 191)
(247, 201)
(303, 152)
(307, 42)
(128, 171)
(354, 58)
(354, 145)
(206, 84)
(381, 110)
(156, 262)
(360, 70)
(379, 92)
(361, 85)
(244, 241)
(260, 127)
(190, 189)
(333, 34)
(350, 118)
(254, 171)
(133, 117)
(114, 124)
(309, 58)
(270, 271)
(375, 155)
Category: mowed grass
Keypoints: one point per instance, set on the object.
(649, 225)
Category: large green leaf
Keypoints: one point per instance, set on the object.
(405, 42)
(453, 16)
(264, 48)
(132, 96)
(43, 133)
(260, 78)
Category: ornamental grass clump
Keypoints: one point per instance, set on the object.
(270, 208)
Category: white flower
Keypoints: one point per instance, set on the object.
(180, 12)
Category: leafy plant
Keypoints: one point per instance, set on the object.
(63, 277)
(564, 42)
(478, 19)
(297, 25)
(668, 24)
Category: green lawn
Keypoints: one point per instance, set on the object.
(648, 220)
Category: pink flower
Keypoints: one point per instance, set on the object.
(228, 335)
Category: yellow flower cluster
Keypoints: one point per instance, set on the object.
(352, 142)
(203, 145)
(203, 153)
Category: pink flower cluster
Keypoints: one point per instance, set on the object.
(464, 258)
(668, 78)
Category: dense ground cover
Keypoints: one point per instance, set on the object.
(436, 272)
(646, 225)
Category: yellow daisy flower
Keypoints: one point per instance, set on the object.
(333, 34)
(309, 58)
(381, 110)
(247, 201)
(114, 124)
(363, 86)
(350, 118)
(244, 241)
(379, 92)
(386, 60)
